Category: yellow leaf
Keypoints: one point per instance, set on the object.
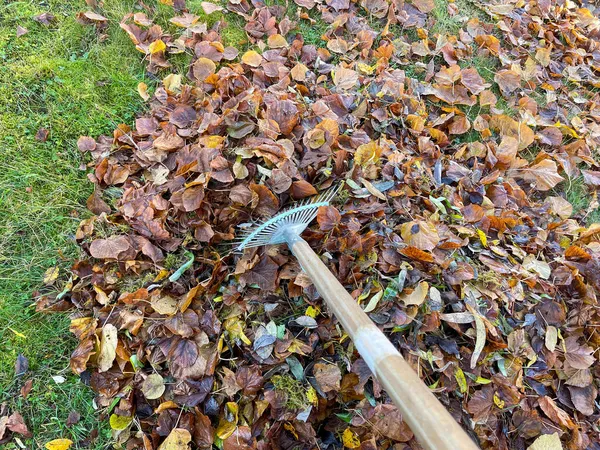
(178, 439)
(276, 41)
(228, 421)
(59, 444)
(235, 328)
(156, 47)
(166, 2)
(498, 401)
(119, 422)
(142, 89)
(367, 154)
(50, 275)
(482, 237)
(288, 426)
(21, 335)
(365, 68)
(350, 439)
(481, 380)
(311, 396)
(214, 141)
(311, 311)
(161, 275)
(461, 380)
(252, 58)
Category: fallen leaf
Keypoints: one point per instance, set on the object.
(108, 346)
(59, 444)
(547, 442)
(153, 386)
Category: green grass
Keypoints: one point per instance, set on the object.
(65, 79)
(576, 193)
(449, 25)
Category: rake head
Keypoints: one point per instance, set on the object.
(288, 223)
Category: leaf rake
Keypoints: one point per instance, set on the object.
(429, 420)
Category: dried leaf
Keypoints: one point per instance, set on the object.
(178, 439)
(108, 347)
(153, 386)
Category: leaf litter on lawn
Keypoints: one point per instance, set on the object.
(483, 277)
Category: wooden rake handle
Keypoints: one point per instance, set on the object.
(431, 423)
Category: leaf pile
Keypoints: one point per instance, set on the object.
(449, 230)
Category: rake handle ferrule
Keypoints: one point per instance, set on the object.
(428, 419)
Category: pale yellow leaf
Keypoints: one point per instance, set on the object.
(50, 275)
(108, 347)
(142, 89)
(546, 442)
(417, 296)
(178, 439)
(373, 302)
(551, 338)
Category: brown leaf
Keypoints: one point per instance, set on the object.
(544, 174)
(21, 31)
(578, 356)
(96, 205)
(387, 421)
(111, 248)
(328, 218)
(302, 189)
(45, 18)
(507, 150)
(25, 390)
(73, 418)
(42, 135)
(556, 414)
(508, 81)
(86, 144)
(264, 274)
(328, 377)
(584, 398)
(344, 78)
(268, 203)
(203, 68)
(16, 424)
(240, 439)
(203, 433)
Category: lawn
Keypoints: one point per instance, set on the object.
(65, 79)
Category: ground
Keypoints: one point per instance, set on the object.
(65, 79)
